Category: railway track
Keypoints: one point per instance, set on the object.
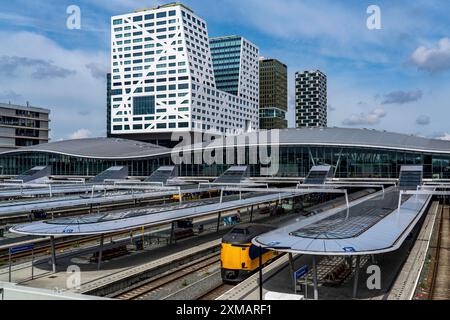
(440, 284)
(144, 289)
(44, 248)
(217, 292)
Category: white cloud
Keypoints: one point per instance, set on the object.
(80, 134)
(423, 120)
(98, 70)
(444, 136)
(125, 4)
(71, 98)
(372, 118)
(9, 96)
(433, 59)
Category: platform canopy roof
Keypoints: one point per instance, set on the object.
(125, 220)
(373, 226)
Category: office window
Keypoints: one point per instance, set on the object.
(144, 105)
(161, 14)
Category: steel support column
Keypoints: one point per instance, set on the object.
(316, 289)
(291, 264)
(100, 252)
(53, 253)
(172, 233)
(218, 221)
(355, 284)
(260, 274)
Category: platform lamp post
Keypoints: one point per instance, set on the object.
(100, 252)
(356, 277)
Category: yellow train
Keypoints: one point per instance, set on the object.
(239, 257)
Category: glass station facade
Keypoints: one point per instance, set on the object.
(294, 161)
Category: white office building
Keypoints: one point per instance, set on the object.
(163, 78)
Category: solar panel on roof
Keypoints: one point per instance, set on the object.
(318, 175)
(134, 218)
(411, 177)
(35, 173)
(233, 175)
(163, 174)
(345, 225)
(113, 173)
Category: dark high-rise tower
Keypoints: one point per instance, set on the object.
(273, 94)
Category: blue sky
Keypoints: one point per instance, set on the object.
(395, 79)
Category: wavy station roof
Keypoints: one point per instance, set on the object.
(113, 148)
(361, 138)
(100, 148)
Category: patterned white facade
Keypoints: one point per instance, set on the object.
(249, 73)
(163, 78)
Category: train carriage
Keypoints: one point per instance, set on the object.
(239, 257)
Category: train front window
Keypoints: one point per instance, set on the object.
(239, 231)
